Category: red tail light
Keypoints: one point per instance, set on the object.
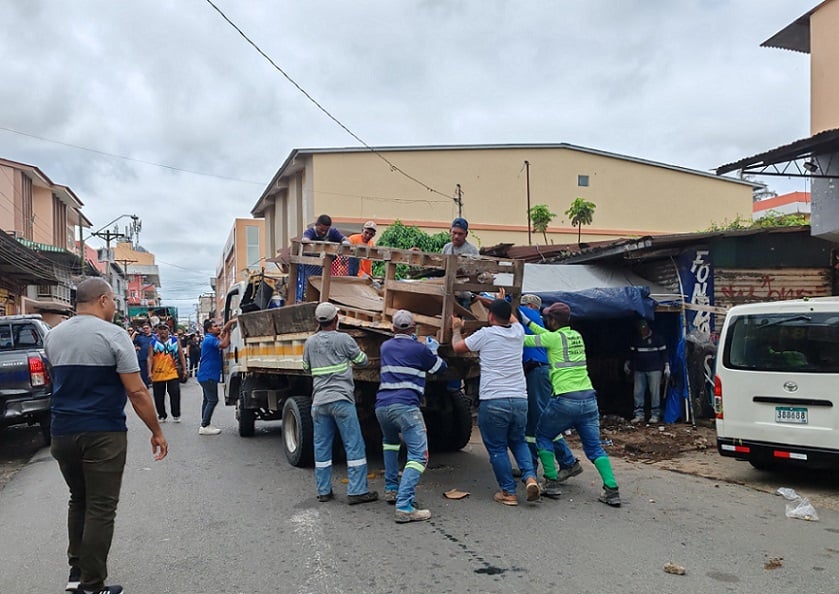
(718, 397)
(38, 375)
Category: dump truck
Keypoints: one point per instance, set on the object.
(263, 366)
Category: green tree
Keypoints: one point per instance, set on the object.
(399, 235)
(771, 219)
(581, 212)
(541, 217)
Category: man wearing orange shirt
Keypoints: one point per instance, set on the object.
(368, 232)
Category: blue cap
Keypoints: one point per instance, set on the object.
(461, 222)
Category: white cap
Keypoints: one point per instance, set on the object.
(369, 225)
(325, 312)
(403, 319)
(530, 299)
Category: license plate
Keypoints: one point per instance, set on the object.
(791, 414)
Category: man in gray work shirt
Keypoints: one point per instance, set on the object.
(458, 246)
(329, 356)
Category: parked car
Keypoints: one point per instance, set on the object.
(25, 385)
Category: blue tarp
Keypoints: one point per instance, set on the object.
(610, 303)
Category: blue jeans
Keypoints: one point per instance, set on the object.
(502, 422)
(539, 392)
(210, 389)
(340, 415)
(407, 420)
(643, 381)
(575, 409)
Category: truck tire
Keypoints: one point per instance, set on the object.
(461, 425)
(246, 418)
(298, 431)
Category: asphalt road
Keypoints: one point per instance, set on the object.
(226, 514)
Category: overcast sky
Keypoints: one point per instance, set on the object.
(170, 82)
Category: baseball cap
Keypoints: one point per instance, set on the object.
(558, 311)
(531, 299)
(403, 319)
(325, 312)
(460, 222)
(369, 225)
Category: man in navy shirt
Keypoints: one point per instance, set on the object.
(322, 230)
(647, 362)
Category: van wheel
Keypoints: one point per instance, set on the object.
(298, 431)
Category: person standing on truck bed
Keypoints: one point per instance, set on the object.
(328, 356)
(404, 363)
(164, 355)
(574, 401)
(537, 372)
(647, 362)
(322, 230)
(94, 367)
(217, 339)
(502, 410)
(363, 267)
(459, 231)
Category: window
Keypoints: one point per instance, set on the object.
(582, 181)
(252, 253)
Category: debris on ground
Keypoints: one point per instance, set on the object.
(798, 507)
(455, 494)
(774, 563)
(674, 569)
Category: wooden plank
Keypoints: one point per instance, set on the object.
(415, 287)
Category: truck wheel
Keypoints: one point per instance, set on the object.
(298, 431)
(461, 426)
(246, 418)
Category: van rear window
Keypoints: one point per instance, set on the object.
(784, 342)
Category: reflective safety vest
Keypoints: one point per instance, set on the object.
(566, 356)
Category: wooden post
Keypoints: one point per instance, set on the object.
(445, 333)
(390, 277)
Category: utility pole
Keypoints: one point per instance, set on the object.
(125, 262)
(459, 200)
(108, 236)
(527, 176)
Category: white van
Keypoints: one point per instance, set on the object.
(776, 389)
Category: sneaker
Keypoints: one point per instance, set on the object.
(532, 487)
(209, 430)
(566, 473)
(390, 497)
(506, 498)
(637, 419)
(161, 419)
(326, 497)
(106, 590)
(417, 515)
(551, 488)
(176, 419)
(365, 498)
(654, 419)
(610, 496)
(74, 580)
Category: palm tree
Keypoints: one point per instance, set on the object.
(581, 213)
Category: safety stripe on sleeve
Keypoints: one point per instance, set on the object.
(437, 366)
(329, 369)
(359, 358)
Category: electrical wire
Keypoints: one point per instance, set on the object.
(393, 166)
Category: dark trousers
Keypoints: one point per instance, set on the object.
(92, 465)
(210, 389)
(173, 386)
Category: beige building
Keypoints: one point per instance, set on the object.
(40, 217)
(421, 185)
(244, 252)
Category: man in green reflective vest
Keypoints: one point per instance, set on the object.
(574, 400)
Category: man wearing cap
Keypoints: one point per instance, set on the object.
(328, 356)
(574, 401)
(647, 360)
(405, 362)
(365, 266)
(539, 391)
(459, 231)
(502, 414)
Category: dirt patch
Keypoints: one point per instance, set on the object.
(652, 442)
(17, 445)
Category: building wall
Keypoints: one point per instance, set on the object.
(632, 198)
(42, 229)
(824, 74)
(235, 262)
(7, 198)
(124, 250)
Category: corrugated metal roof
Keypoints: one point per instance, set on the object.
(819, 144)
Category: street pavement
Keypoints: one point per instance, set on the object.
(227, 514)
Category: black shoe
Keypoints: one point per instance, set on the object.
(328, 497)
(610, 496)
(74, 580)
(365, 498)
(566, 473)
(106, 590)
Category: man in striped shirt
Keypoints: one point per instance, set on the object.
(405, 362)
(329, 356)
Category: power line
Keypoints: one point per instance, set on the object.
(123, 157)
(393, 166)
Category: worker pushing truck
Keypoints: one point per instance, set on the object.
(263, 368)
